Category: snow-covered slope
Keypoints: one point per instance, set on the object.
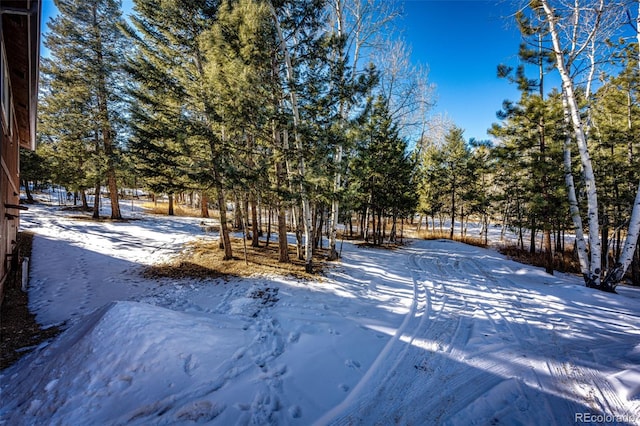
(434, 333)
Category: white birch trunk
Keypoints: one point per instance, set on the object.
(573, 110)
(574, 211)
(306, 210)
(337, 159)
(335, 204)
(626, 257)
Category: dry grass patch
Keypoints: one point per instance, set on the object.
(562, 262)
(437, 235)
(87, 218)
(202, 259)
(162, 208)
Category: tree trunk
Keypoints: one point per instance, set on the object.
(204, 205)
(548, 252)
(237, 216)
(380, 234)
(374, 228)
(171, 212)
(83, 197)
(283, 245)
(106, 129)
(335, 205)
(635, 267)
(616, 274)
(453, 210)
(244, 212)
(28, 191)
(298, 227)
(532, 240)
(224, 231)
(268, 227)
(580, 245)
(318, 231)
(255, 242)
(96, 201)
(605, 242)
(572, 109)
(261, 211)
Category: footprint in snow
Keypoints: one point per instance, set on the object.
(294, 337)
(295, 412)
(190, 364)
(121, 383)
(351, 363)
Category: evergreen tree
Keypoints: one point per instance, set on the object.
(616, 123)
(385, 169)
(239, 49)
(529, 161)
(33, 168)
(82, 79)
(430, 185)
(171, 51)
(454, 158)
(157, 131)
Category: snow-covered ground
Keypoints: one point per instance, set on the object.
(434, 333)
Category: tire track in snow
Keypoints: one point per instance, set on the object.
(440, 339)
(503, 319)
(375, 374)
(448, 335)
(426, 328)
(563, 376)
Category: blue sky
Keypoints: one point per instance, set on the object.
(462, 42)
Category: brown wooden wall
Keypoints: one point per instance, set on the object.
(19, 65)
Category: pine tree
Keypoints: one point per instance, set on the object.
(454, 158)
(384, 169)
(615, 115)
(238, 50)
(529, 159)
(33, 168)
(170, 43)
(157, 132)
(82, 85)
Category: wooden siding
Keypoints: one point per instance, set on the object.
(19, 39)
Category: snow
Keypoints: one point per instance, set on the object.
(436, 332)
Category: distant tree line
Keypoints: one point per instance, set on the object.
(302, 109)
